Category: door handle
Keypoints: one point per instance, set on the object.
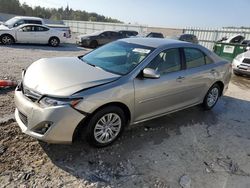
(180, 78)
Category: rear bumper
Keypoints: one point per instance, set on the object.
(30, 117)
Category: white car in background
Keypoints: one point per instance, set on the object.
(31, 33)
(20, 20)
(241, 64)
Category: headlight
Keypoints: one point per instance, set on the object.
(49, 101)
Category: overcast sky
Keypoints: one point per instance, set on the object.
(167, 13)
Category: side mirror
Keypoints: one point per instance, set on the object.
(150, 73)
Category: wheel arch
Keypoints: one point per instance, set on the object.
(54, 37)
(82, 125)
(8, 35)
(221, 84)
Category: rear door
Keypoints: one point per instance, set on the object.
(157, 96)
(199, 75)
(42, 34)
(115, 36)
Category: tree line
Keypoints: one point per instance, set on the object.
(15, 7)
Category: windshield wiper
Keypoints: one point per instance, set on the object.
(92, 64)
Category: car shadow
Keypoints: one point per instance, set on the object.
(61, 47)
(103, 164)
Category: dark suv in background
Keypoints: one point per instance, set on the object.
(186, 37)
(98, 38)
(128, 33)
(103, 37)
(155, 35)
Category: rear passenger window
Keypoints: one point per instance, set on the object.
(194, 58)
(113, 34)
(41, 29)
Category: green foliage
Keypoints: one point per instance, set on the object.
(14, 7)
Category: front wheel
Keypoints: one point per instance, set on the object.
(7, 40)
(105, 126)
(212, 97)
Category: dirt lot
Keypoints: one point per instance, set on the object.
(211, 148)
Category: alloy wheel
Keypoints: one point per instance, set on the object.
(6, 40)
(107, 128)
(212, 97)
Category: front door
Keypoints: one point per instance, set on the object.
(104, 38)
(158, 96)
(26, 34)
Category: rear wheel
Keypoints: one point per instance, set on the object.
(93, 44)
(54, 41)
(7, 39)
(105, 126)
(212, 97)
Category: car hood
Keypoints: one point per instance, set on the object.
(4, 28)
(64, 76)
(246, 54)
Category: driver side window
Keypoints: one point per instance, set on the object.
(167, 61)
(28, 29)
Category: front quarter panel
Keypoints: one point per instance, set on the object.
(116, 92)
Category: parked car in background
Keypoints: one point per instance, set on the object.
(241, 64)
(155, 35)
(98, 38)
(246, 42)
(128, 33)
(125, 82)
(20, 20)
(186, 37)
(31, 33)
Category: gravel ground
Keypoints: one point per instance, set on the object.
(208, 149)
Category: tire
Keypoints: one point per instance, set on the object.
(212, 97)
(96, 131)
(7, 39)
(93, 44)
(54, 41)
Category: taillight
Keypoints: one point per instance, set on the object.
(64, 34)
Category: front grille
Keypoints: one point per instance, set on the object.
(247, 61)
(23, 118)
(32, 95)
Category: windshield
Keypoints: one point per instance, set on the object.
(10, 22)
(117, 57)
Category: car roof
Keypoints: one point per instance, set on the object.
(28, 17)
(127, 31)
(23, 25)
(153, 42)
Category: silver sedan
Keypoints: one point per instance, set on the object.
(125, 82)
